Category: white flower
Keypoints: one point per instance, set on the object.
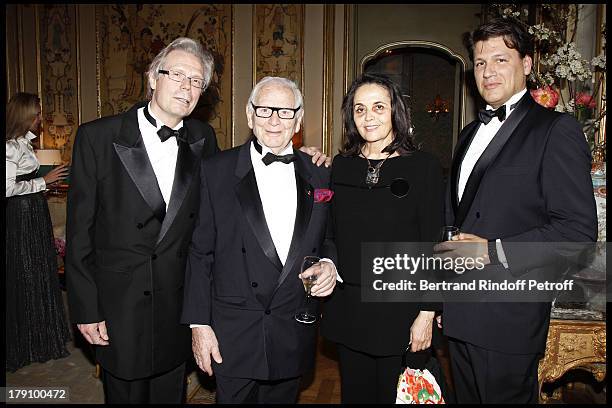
(599, 61)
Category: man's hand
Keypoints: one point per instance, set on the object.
(326, 278)
(464, 246)
(204, 344)
(439, 320)
(94, 333)
(420, 331)
(318, 157)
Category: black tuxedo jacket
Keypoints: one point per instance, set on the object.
(125, 260)
(234, 279)
(531, 184)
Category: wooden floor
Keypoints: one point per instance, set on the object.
(322, 386)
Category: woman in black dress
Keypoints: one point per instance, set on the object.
(36, 327)
(379, 150)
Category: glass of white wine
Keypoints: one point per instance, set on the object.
(304, 315)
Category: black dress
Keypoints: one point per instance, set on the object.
(361, 215)
(36, 326)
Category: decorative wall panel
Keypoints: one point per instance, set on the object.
(278, 41)
(128, 38)
(278, 45)
(59, 84)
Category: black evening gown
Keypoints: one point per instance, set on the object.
(36, 324)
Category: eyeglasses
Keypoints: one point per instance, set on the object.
(180, 77)
(267, 111)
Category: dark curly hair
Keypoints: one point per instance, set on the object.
(403, 141)
(515, 35)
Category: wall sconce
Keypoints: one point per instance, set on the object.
(438, 107)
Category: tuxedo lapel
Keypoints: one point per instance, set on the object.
(187, 164)
(248, 197)
(464, 144)
(305, 197)
(489, 155)
(133, 155)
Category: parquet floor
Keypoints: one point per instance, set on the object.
(322, 386)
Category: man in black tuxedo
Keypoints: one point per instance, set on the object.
(263, 209)
(131, 206)
(521, 173)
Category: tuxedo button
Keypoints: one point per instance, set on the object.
(314, 250)
(191, 215)
(254, 284)
(147, 293)
(154, 256)
(243, 251)
(139, 225)
(477, 214)
(268, 312)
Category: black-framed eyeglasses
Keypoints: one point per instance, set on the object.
(180, 77)
(267, 111)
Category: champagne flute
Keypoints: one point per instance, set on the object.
(447, 232)
(304, 315)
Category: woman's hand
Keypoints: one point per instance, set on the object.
(56, 174)
(420, 331)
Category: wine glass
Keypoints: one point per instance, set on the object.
(304, 315)
(447, 232)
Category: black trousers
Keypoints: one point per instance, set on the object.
(369, 379)
(485, 376)
(165, 388)
(232, 390)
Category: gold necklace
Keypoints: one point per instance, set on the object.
(373, 173)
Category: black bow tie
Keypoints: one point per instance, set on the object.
(165, 133)
(271, 157)
(485, 116)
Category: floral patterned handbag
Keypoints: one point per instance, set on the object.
(416, 386)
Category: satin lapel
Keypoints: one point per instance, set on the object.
(464, 143)
(133, 155)
(489, 155)
(305, 198)
(248, 196)
(187, 164)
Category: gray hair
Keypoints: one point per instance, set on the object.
(297, 95)
(182, 44)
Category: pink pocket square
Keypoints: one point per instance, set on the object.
(323, 195)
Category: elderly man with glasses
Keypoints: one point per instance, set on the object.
(264, 207)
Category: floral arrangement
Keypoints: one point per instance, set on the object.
(418, 387)
(60, 246)
(563, 79)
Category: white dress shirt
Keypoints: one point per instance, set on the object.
(483, 137)
(161, 155)
(278, 193)
(20, 160)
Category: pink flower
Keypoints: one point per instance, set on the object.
(323, 195)
(60, 246)
(585, 100)
(545, 96)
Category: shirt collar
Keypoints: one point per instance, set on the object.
(159, 122)
(265, 149)
(30, 136)
(513, 100)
